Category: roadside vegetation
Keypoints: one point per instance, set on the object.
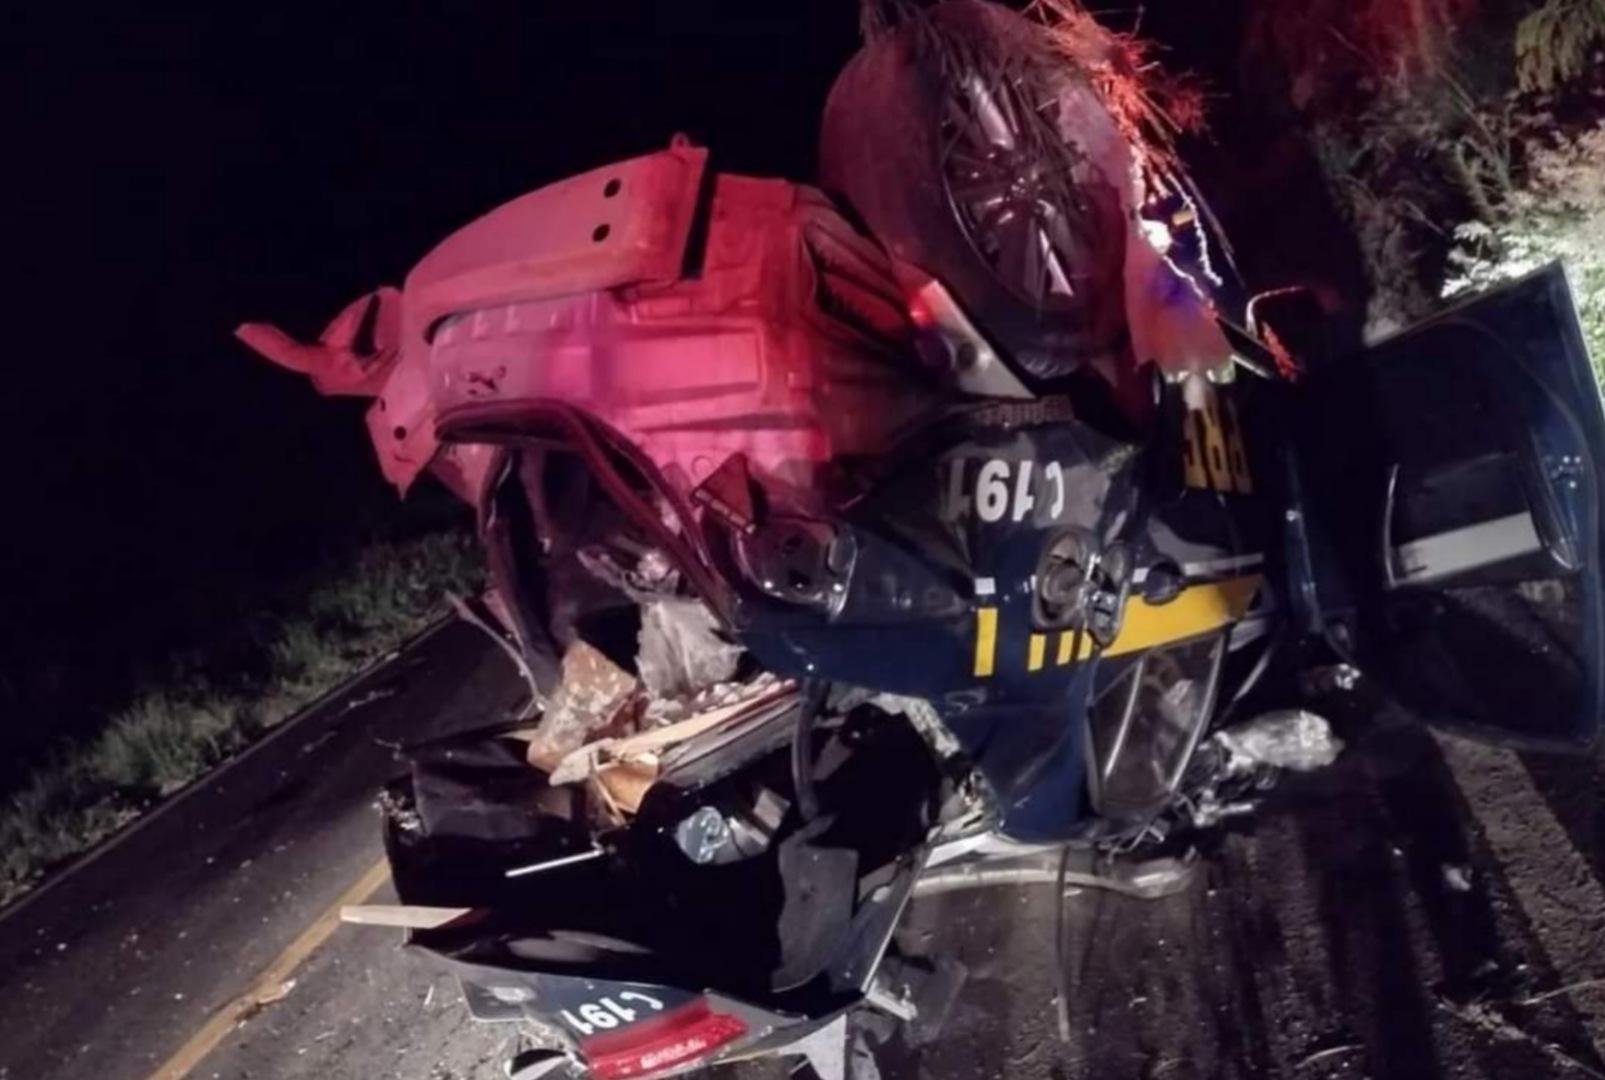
(1464, 140)
(1557, 211)
(178, 727)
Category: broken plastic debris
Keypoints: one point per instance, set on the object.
(653, 575)
(1285, 739)
(703, 835)
(661, 711)
(273, 994)
(681, 651)
(643, 749)
(590, 698)
(625, 783)
(536, 1063)
(1333, 677)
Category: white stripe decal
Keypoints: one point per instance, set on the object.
(1211, 567)
(1207, 568)
(1486, 543)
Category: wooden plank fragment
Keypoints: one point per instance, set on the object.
(405, 916)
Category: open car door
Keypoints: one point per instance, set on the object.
(1452, 478)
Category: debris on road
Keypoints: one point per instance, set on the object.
(261, 999)
(1487, 1018)
(378, 693)
(1330, 1052)
(1294, 739)
(1569, 988)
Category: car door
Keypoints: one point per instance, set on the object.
(1449, 516)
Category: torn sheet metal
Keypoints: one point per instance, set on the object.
(780, 348)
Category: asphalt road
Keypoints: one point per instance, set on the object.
(1386, 924)
(109, 971)
(1409, 913)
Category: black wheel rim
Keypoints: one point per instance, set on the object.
(1034, 211)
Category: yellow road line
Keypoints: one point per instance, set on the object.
(986, 639)
(1039, 650)
(270, 982)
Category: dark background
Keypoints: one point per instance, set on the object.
(173, 171)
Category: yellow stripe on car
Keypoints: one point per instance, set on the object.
(1195, 611)
(986, 640)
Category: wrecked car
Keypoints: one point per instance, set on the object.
(928, 528)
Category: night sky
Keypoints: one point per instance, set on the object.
(175, 171)
(172, 172)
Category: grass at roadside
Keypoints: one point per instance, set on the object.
(172, 733)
